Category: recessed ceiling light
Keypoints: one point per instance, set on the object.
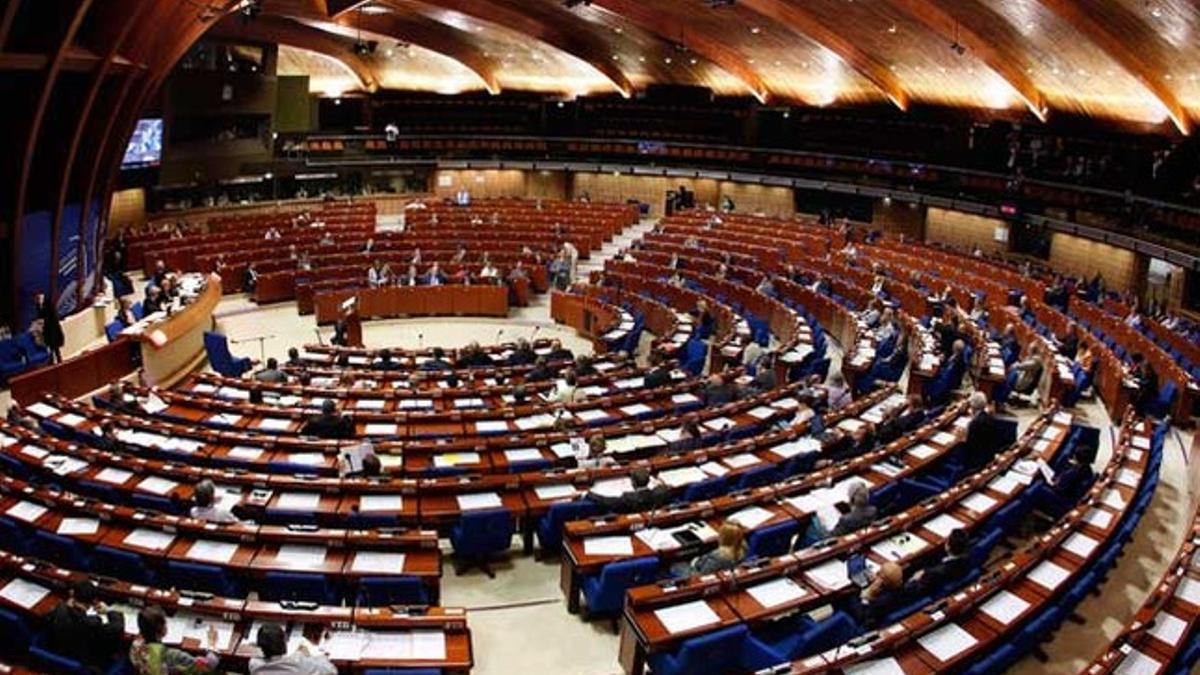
(616, 58)
(892, 29)
(618, 29)
(667, 60)
(694, 62)
(755, 29)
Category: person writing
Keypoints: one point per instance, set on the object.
(328, 424)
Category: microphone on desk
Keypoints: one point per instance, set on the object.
(420, 340)
(498, 334)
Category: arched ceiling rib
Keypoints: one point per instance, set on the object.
(990, 40)
(289, 32)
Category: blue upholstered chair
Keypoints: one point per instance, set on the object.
(217, 347)
(604, 594)
(479, 535)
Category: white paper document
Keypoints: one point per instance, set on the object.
(1080, 544)
(1004, 607)
(682, 618)
(947, 642)
(113, 475)
(378, 562)
(979, 502)
(374, 503)
(777, 592)
(300, 557)
(1138, 663)
(298, 501)
(922, 451)
(943, 525)
(523, 455)
(26, 511)
(157, 485)
(830, 574)
(1048, 575)
(381, 429)
(885, 666)
(274, 424)
(23, 593)
(483, 500)
(153, 540)
(82, 526)
(550, 492)
(1168, 628)
(619, 545)
(751, 517)
(212, 551)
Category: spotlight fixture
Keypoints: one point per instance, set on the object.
(365, 48)
(958, 48)
(251, 9)
(572, 4)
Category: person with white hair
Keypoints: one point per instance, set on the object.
(861, 512)
(838, 395)
(977, 439)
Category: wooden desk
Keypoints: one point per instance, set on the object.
(173, 347)
(394, 301)
(77, 376)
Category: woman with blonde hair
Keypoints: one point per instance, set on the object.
(731, 550)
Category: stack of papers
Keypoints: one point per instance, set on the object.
(1004, 607)
(550, 492)
(377, 562)
(751, 517)
(947, 642)
(153, 540)
(212, 551)
(80, 526)
(298, 501)
(831, 574)
(300, 557)
(23, 593)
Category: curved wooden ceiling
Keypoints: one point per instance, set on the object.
(1136, 60)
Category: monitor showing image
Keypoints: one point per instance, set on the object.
(145, 146)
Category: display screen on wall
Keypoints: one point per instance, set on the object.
(145, 146)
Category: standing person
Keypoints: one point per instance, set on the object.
(52, 332)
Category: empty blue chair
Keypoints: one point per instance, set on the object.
(771, 540)
(706, 489)
(60, 550)
(757, 476)
(112, 329)
(299, 586)
(994, 661)
(217, 348)
(550, 526)
(781, 640)
(51, 662)
(124, 565)
(604, 594)
(155, 503)
(13, 537)
(834, 630)
(480, 534)
(397, 590)
(710, 654)
(14, 634)
(200, 577)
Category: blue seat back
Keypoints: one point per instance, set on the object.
(397, 590)
(483, 532)
(299, 586)
(771, 540)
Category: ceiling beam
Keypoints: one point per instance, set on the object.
(1131, 54)
(338, 8)
(802, 22)
(983, 32)
(286, 31)
(675, 30)
(575, 40)
(438, 37)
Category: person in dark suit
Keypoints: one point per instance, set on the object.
(977, 439)
(293, 359)
(472, 356)
(861, 512)
(1070, 483)
(341, 336)
(584, 367)
(719, 391)
(522, 354)
(438, 362)
(901, 419)
(84, 629)
(1068, 342)
(1146, 383)
(559, 353)
(52, 332)
(953, 566)
(541, 372)
(643, 496)
(386, 362)
(862, 441)
(328, 424)
(271, 373)
(885, 593)
(660, 374)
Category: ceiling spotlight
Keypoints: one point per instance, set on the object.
(251, 9)
(365, 48)
(572, 4)
(958, 48)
